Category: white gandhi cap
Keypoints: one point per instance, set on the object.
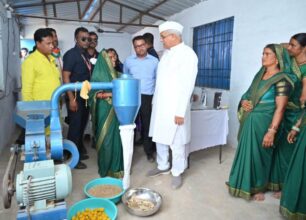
(170, 25)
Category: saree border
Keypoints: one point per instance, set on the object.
(291, 215)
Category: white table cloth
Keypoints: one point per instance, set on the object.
(209, 127)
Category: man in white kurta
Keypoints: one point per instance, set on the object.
(170, 120)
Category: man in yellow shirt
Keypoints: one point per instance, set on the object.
(39, 74)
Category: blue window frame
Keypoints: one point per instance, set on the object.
(213, 44)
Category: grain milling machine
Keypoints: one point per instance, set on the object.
(42, 185)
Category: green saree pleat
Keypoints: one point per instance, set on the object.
(283, 151)
(251, 167)
(293, 200)
(105, 123)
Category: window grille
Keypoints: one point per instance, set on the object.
(213, 44)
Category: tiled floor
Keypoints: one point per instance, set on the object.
(202, 196)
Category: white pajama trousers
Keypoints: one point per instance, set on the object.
(179, 160)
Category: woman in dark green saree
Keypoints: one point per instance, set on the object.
(105, 122)
(284, 150)
(260, 114)
(293, 199)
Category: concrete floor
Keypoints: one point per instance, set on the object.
(202, 196)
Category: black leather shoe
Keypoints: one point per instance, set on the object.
(84, 157)
(80, 166)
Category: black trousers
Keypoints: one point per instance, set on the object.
(77, 123)
(145, 115)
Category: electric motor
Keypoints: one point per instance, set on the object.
(43, 181)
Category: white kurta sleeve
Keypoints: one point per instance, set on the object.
(187, 73)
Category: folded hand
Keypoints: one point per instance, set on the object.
(247, 105)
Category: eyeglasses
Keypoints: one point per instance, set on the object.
(140, 45)
(85, 39)
(92, 40)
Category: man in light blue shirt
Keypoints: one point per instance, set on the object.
(143, 66)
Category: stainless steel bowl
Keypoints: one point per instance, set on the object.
(142, 194)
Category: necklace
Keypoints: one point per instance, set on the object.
(301, 63)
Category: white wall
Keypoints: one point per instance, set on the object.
(10, 77)
(256, 23)
(65, 32)
(157, 45)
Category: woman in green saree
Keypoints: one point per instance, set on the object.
(293, 200)
(105, 122)
(261, 112)
(283, 151)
